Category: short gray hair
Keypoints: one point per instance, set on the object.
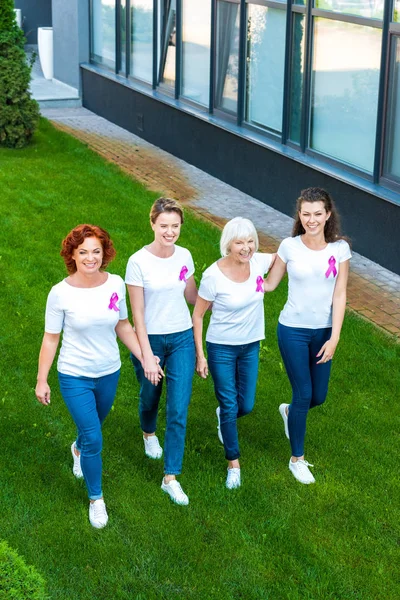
(237, 229)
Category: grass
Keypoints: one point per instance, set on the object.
(271, 539)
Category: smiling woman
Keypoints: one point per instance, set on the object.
(234, 286)
(160, 281)
(89, 307)
(316, 259)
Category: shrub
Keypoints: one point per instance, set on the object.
(17, 580)
(19, 113)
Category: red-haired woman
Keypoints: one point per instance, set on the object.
(89, 307)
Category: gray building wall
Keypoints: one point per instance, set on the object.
(70, 39)
(35, 13)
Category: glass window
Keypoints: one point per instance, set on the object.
(196, 32)
(297, 74)
(168, 43)
(122, 25)
(265, 66)
(227, 56)
(103, 32)
(142, 39)
(396, 11)
(373, 9)
(345, 81)
(392, 155)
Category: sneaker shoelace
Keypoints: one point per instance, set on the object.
(177, 489)
(303, 463)
(99, 510)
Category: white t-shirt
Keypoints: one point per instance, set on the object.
(164, 282)
(238, 310)
(87, 317)
(312, 278)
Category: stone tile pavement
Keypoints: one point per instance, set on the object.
(373, 292)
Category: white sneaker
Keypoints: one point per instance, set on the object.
(174, 490)
(217, 412)
(76, 468)
(98, 516)
(282, 409)
(152, 447)
(301, 471)
(233, 478)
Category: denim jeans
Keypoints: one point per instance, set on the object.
(299, 348)
(89, 400)
(234, 370)
(177, 354)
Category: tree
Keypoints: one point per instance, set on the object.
(19, 113)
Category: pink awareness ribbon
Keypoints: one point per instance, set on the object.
(182, 274)
(332, 268)
(260, 284)
(113, 302)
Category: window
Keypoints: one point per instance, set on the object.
(392, 155)
(142, 40)
(266, 29)
(196, 36)
(345, 81)
(167, 43)
(227, 58)
(396, 12)
(103, 32)
(372, 9)
(297, 77)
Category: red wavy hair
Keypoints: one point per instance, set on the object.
(77, 236)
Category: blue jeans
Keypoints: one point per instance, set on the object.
(234, 370)
(89, 400)
(177, 354)
(299, 347)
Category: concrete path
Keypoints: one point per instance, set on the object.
(373, 292)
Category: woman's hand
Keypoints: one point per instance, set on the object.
(202, 367)
(43, 392)
(152, 370)
(327, 351)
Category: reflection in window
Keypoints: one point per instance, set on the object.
(142, 39)
(265, 66)
(103, 32)
(297, 72)
(122, 28)
(373, 9)
(396, 11)
(196, 28)
(227, 58)
(345, 91)
(392, 161)
(168, 43)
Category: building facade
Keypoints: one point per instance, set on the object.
(267, 95)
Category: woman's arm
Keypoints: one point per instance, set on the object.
(149, 362)
(128, 337)
(275, 275)
(191, 291)
(198, 316)
(338, 309)
(46, 357)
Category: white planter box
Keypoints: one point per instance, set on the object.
(45, 49)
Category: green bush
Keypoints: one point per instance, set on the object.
(19, 113)
(17, 580)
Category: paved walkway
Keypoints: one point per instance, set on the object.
(374, 292)
(50, 92)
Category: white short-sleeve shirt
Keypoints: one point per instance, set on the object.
(164, 282)
(238, 310)
(312, 279)
(87, 317)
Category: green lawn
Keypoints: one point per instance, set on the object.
(271, 539)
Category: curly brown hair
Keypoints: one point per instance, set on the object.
(167, 205)
(77, 236)
(332, 230)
